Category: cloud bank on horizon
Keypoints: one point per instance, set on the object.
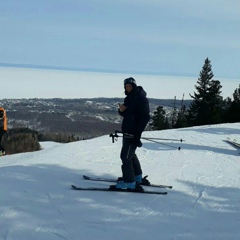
(165, 37)
(47, 83)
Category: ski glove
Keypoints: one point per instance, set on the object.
(138, 143)
(136, 140)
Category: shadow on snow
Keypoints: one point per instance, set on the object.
(38, 203)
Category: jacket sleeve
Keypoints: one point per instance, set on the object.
(144, 116)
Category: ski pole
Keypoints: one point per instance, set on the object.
(165, 139)
(146, 138)
(151, 140)
(115, 136)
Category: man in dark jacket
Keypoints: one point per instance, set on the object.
(135, 113)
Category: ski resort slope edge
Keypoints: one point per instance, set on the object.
(37, 202)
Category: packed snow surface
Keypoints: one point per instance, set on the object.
(37, 202)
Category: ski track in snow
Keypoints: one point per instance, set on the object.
(37, 201)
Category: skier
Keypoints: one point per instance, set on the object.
(3, 128)
(135, 113)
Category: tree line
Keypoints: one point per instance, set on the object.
(207, 107)
(19, 140)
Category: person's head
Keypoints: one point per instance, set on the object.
(130, 84)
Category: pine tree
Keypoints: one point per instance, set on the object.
(233, 110)
(206, 105)
(215, 103)
(181, 118)
(159, 119)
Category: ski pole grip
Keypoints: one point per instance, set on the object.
(112, 136)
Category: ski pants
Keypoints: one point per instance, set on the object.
(130, 164)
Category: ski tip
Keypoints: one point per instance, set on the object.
(73, 186)
(86, 177)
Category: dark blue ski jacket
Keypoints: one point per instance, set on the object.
(136, 115)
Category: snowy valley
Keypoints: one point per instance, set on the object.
(84, 117)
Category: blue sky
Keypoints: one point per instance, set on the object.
(169, 37)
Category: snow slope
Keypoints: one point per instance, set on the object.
(36, 201)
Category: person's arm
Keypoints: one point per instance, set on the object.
(5, 121)
(144, 116)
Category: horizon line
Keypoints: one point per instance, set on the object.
(95, 70)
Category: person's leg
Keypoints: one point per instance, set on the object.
(127, 153)
(137, 169)
(136, 165)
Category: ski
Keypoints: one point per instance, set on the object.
(147, 183)
(112, 189)
(234, 143)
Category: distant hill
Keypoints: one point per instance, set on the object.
(83, 117)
